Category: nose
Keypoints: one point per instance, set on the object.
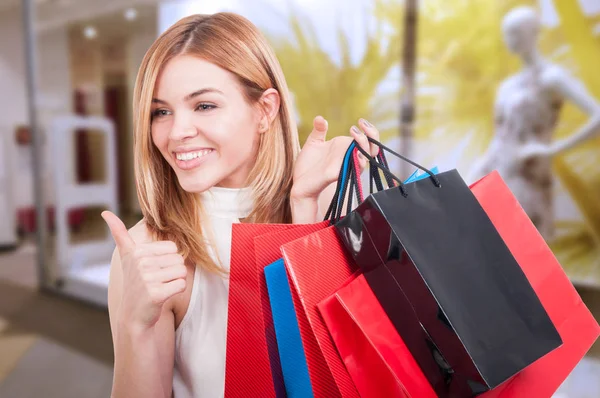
(182, 128)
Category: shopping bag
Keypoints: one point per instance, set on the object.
(252, 360)
(462, 304)
(327, 373)
(288, 339)
(375, 356)
(317, 265)
(576, 325)
(377, 359)
(288, 354)
(247, 363)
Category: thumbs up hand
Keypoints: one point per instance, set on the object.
(152, 273)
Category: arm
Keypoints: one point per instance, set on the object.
(574, 91)
(144, 358)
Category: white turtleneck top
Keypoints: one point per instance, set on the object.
(201, 336)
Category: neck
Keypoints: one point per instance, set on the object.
(532, 59)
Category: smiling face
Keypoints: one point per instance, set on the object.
(203, 124)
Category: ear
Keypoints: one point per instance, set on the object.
(269, 107)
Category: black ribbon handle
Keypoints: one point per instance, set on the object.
(379, 163)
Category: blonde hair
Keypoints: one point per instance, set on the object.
(233, 43)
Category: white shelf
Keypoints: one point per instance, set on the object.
(89, 283)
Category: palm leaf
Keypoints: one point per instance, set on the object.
(341, 91)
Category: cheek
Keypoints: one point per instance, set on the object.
(238, 136)
(159, 137)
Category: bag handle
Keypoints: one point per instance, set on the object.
(347, 178)
(382, 146)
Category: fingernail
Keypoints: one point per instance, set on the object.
(356, 130)
(366, 122)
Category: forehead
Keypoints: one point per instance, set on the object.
(185, 73)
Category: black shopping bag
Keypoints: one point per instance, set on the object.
(449, 284)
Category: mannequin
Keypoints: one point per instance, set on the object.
(525, 116)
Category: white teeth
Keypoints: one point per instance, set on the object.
(192, 155)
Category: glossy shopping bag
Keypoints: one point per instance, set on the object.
(461, 303)
(374, 354)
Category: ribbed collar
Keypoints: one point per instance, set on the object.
(227, 202)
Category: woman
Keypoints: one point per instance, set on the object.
(215, 143)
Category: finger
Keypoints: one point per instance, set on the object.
(119, 232)
(165, 275)
(156, 248)
(370, 131)
(164, 261)
(319, 132)
(362, 140)
(169, 289)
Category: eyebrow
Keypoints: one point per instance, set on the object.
(191, 95)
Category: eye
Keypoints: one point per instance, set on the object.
(158, 113)
(203, 106)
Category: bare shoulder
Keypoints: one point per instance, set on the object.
(555, 77)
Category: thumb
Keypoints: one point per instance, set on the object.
(319, 131)
(119, 232)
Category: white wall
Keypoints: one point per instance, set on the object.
(137, 46)
(12, 71)
(54, 98)
(55, 77)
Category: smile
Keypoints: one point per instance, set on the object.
(192, 155)
(192, 159)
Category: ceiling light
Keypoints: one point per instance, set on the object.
(131, 14)
(90, 32)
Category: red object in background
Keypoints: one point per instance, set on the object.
(82, 153)
(26, 219)
(317, 266)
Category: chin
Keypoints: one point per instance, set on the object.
(195, 184)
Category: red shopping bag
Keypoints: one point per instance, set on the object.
(247, 365)
(317, 265)
(267, 249)
(574, 322)
(379, 362)
(252, 363)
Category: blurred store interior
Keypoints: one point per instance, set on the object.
(66, 152)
